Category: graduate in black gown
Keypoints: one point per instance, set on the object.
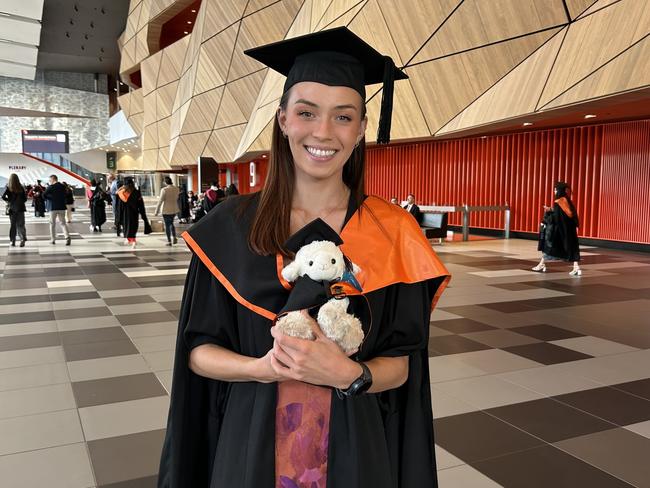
(559, 231)
(253, 408)
(131, 209)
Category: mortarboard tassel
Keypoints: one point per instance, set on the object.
(385, 114)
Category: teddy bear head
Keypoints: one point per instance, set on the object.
(320, 260)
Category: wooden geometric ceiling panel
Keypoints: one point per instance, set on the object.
(337, 10)
(577, 7)
(627, 71)
(477, 23)
(413, 34)
(515, 94)
(471, 63)
(370, 25)
(597, 6)
(594, 40)
(448, 85)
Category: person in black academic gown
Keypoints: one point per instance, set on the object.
(241, 390)
(559, 231)
(131, 209)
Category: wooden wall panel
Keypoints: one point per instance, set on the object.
(214, 60)
(150, 69)
(220, 14)
(612, 30)
(337, 9)
(515, 94)
(202, 112)
(627, 71)
(447, 86)
(370, 25)
(268, 25)
(415, 33)
(599, 4)
(576, 7)
(223, 142)
(478, 23)
(229, 111)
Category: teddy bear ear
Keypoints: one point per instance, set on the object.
(291, 271)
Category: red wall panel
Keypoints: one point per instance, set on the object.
(625, 183)
(515, 169)
(241, 177)
(607, 166)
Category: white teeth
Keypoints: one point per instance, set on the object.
(320, 153)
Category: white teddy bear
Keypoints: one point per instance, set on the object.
(322, 261)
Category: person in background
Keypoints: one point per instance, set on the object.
(131, 208)
(231, 190)
(183, 206)
(97, 198)
(412, 208)
(69, 202)
(36, 194)
(113, 184)
(168, 201)
(54, 195)
(212, 196)
(394, 201)
(192, 198)
(199, 208)
(16, 197)
(559, 240)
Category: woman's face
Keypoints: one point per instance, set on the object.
(322, 124)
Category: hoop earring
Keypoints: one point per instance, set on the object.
(284, 134)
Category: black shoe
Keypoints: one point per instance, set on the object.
(99, 229)
(52, 242)
(13, 244)
(67, 241)
(175, 241)
(22, 243)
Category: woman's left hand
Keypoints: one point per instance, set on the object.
(319, 362)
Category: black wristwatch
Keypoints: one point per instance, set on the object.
(358, 386)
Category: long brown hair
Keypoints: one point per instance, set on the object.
(14, 184)
(271, 224)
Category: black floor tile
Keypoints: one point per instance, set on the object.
(546, 467)
(546, 353)
(610, 404)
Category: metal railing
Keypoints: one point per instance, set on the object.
(467, 210)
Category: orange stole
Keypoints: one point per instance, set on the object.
(302, 424)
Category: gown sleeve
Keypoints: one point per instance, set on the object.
(197, 404)
(400, 317)
(210, 311)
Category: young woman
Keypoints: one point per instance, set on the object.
(15, 197)
(131, 208)
(97, 203)
(559, 239)
(253, 408)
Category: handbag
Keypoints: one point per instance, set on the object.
(147, 227)
(7, 210)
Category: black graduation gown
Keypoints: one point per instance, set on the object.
(38, 202)
(98, 208)
(560, 238)
(130, 213)
(183, 206)
(222, 435)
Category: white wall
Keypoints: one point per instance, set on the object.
(94, 160)
(29, 170)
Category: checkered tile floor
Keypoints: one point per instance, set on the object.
(538, 380)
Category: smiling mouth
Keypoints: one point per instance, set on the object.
(320, 153)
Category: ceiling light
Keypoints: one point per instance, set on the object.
(193, 10)
(185, 32)
(526, 124)
(189, 21)
(589, 116)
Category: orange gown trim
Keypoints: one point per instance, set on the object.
(382, 239)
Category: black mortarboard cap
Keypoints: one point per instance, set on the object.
(316, 230)
(334, 57)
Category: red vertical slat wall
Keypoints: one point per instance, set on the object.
(241, 176)
(607, 166)
(624, 213)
